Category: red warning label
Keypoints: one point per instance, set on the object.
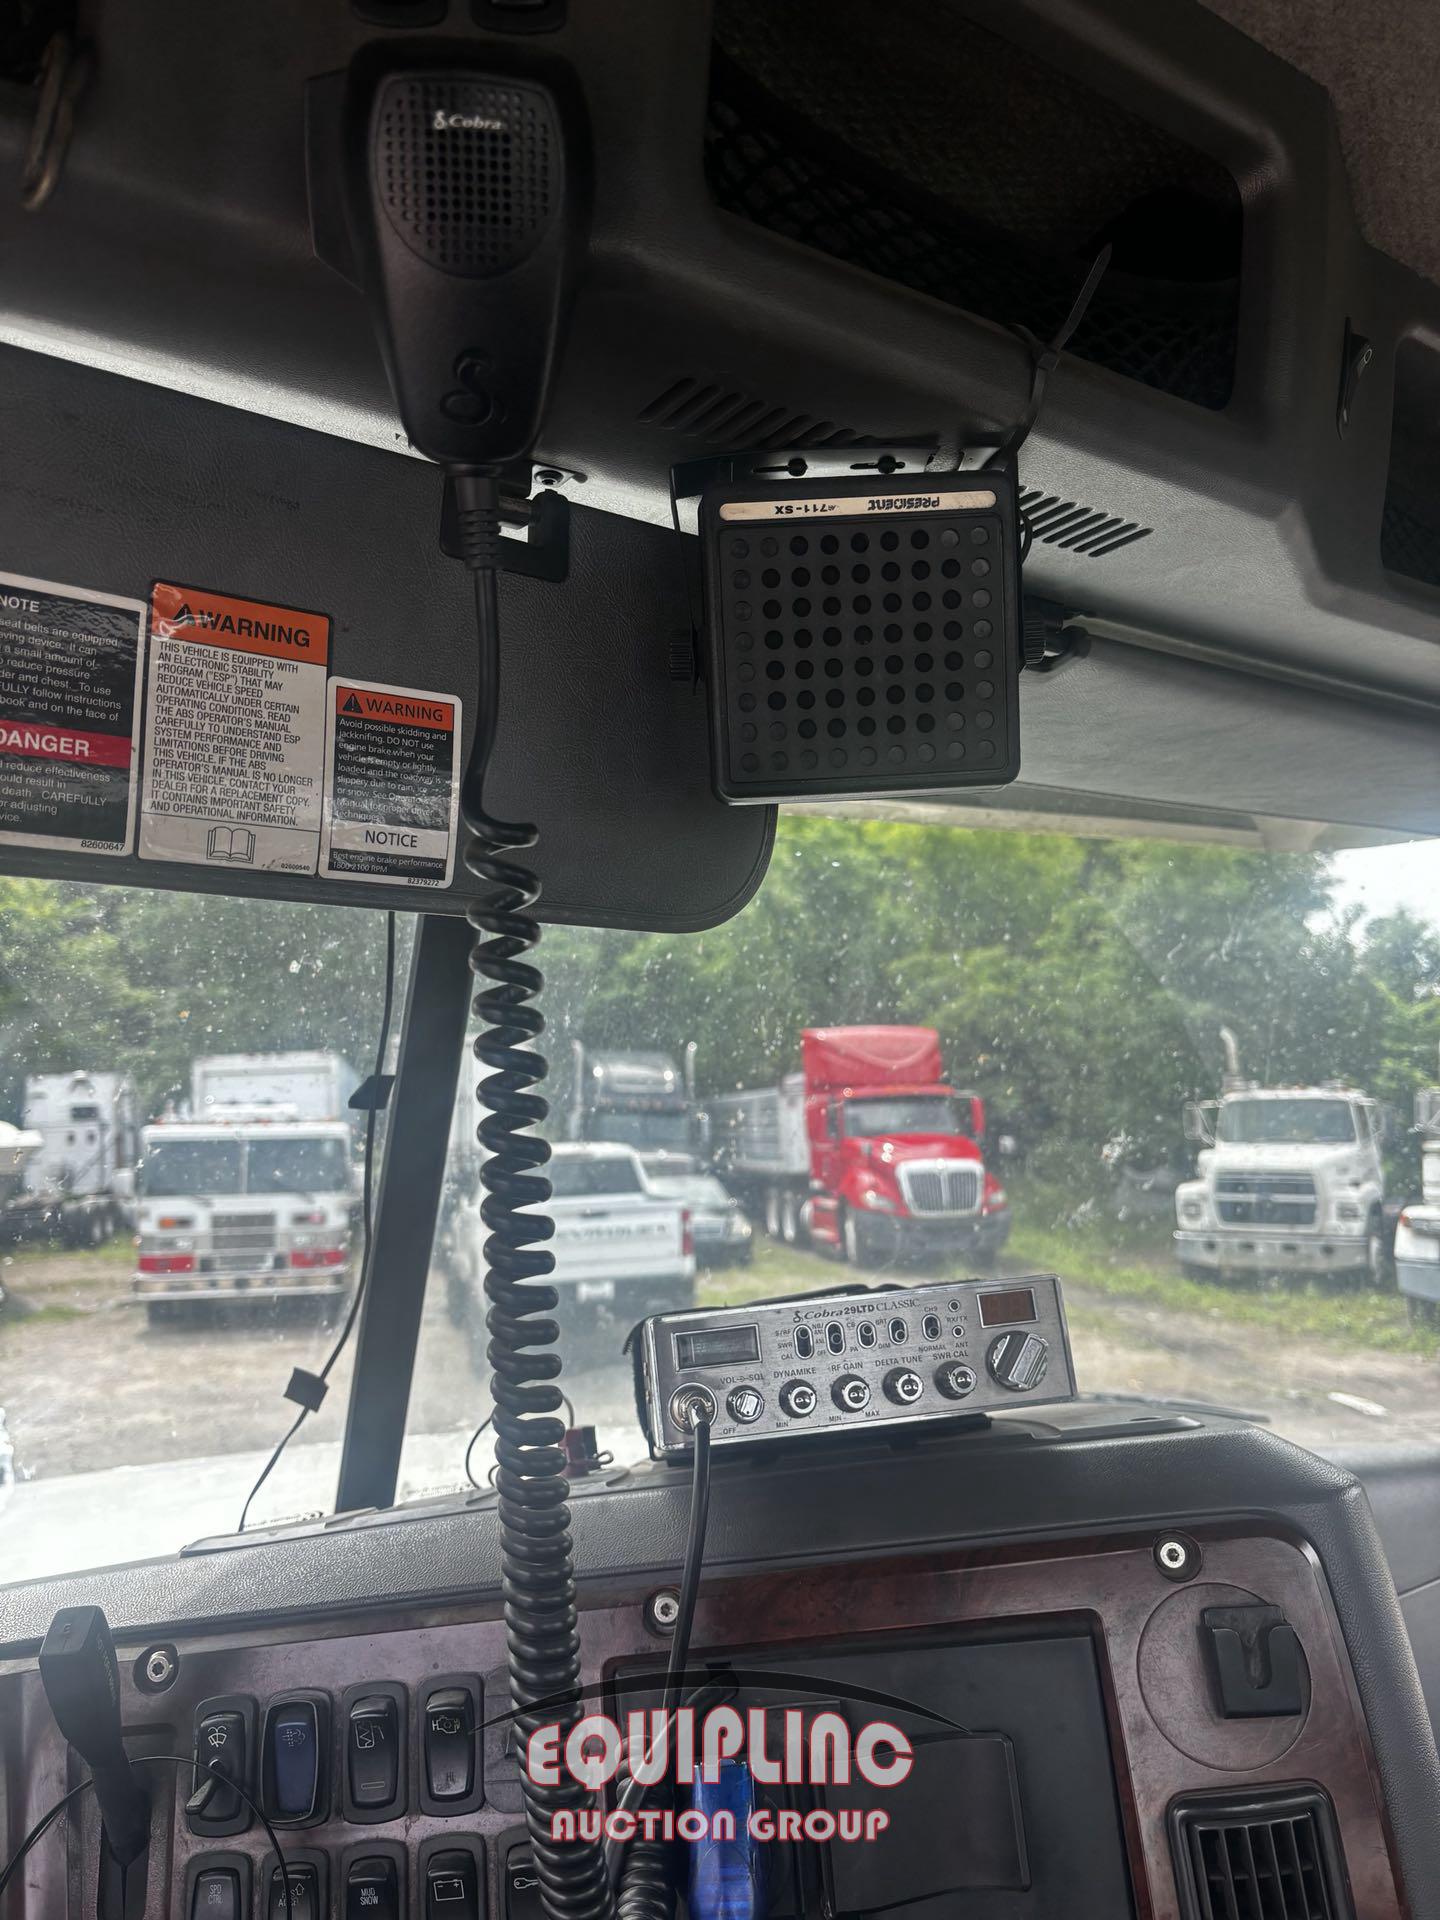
(70, 665)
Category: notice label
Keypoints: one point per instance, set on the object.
(234, 731)
(70, 665)
(392, 784)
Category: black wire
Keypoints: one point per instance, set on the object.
(1044, 357)
(366, 1217)
(489, 1421)
(43, 1825)
(685, 1614)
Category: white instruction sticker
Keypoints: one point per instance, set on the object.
(70, 666)
(392, 785)
(234, 731)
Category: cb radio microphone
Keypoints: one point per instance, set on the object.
(465, 222)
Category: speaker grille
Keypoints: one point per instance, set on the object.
(862, 654)
(467, 169)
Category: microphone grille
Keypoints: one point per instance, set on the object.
(467, 168)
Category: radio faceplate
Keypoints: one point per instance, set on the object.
(827, 1363)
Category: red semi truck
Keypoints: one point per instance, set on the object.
(867, 1150)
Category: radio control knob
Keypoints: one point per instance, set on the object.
(850, 1393)
(745, 1404)
(903, 1385)
(955, 1380)
(1017, 1360)
(798, 1400)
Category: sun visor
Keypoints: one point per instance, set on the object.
(233, 658)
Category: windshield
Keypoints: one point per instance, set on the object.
(1080, 985)
(298, 1166)
(1278, 1122)
(574, 1175)
(863, 1119)
(175, 1167)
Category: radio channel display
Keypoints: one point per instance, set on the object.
(1013, 1307)
(717, 1347)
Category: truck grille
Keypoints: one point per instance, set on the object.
(238, 1237)
(940, 1187)
(1265, 1199)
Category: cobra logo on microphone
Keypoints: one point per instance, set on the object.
(465, 122)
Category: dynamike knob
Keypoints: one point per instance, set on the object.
(798, 1400)
(903, 1385)
(850, 1393)
(1017, 1360)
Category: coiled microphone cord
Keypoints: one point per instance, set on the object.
(537, 1572)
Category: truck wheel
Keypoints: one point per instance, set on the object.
(772, 1213)
(97, 1228)
(792, 1228)
(1422, 1313)
(858, 1238)
(1189, 1271)
(159, 1313)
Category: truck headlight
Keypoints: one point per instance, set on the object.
(1192, 1211)
(877, 1202)
(1347, 1210)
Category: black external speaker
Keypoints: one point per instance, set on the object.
(862, 635)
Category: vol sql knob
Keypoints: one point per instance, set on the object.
(1017, 1360)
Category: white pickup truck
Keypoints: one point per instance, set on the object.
(622, 1250)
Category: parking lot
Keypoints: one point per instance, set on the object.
(88, 1386)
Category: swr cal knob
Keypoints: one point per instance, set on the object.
(1017, 1360)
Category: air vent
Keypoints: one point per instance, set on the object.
(1263, 1857)
(1065, 523)
(704, 411)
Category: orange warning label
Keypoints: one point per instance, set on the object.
(400, 710)
(248, 626)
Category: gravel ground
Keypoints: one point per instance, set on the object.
(92, 1385)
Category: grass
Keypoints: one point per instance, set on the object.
(1123, 1261)
(118, 1251)
(13, 1317)
(1086, 1257)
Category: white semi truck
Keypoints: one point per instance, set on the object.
(252, 1197)
(1288, 1180)
(69, 1170)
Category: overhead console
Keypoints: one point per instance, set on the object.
(1152, 1716)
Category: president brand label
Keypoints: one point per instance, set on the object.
(392, 785)
(235, 731)
(70, 665)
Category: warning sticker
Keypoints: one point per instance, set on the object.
(234, 731)
(392, 784)
(70, 665)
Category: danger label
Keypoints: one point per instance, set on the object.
(70, 667)
(234, 731)
(392, 785)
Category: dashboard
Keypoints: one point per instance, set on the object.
(1135, 1651)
